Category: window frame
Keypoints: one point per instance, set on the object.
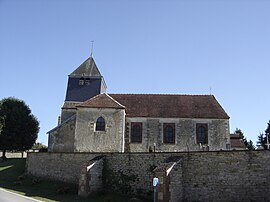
(166, 137)
(81, 81)
(199, 126)
(87, 81)
(137, 138)
(100, 125)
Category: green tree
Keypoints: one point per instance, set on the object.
(19, 126)
(241, 134)
(1, 124)
(262, 138)
(39, 146)
(249, 144)
(260, 142)
(267, 134)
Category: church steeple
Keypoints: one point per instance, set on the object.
(87, 68)
(85, 82)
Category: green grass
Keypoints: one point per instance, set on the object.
(12, 169)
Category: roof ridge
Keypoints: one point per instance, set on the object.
(159, 94)
(95, 102)
(64, 122)
(114, 100)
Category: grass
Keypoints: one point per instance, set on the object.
(11, 178)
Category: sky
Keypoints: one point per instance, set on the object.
(196, 47)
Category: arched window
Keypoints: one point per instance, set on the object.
(136, 132)
(81, 81)
(169, 133)
(87, 81)
(100, 124)
(202, 133)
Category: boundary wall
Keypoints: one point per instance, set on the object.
(14, 154)
(195, 176)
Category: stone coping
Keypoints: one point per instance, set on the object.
(148, 153)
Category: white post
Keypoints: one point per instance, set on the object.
(267, 141)
(155, 184)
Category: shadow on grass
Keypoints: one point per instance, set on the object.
(11, 177)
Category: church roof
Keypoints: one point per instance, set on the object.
(102, 101)
(171, 106)
(161, 105)
(87, 68)
(237, 142)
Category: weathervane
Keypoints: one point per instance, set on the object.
(92, 48)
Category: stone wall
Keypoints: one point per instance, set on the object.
(78, 133)
(57, 166)
(185, 134)
(87, 139)
(66, 113)
(14, 154)
(61, 139)
(227, 176)
(90, 180)
(198, 176)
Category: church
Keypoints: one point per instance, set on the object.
(95, 121)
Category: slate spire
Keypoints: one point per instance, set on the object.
(88, 68)
(85, 82)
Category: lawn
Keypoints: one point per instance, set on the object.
(11, 178)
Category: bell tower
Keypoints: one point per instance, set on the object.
(84, 83)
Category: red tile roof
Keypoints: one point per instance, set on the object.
(171, 106)
(237, 142)
(161, 105)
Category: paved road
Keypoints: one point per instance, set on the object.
(6, 196)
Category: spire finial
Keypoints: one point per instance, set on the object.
(92, 48)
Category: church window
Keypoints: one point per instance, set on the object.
(202, 133)
(169, 133)
(136, 132)
(100, 124)
(81, 81)
(87, 81)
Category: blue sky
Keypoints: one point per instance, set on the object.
(141, 46)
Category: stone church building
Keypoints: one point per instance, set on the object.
(94, 121)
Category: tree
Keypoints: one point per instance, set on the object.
(260, 142)
(262, 138)
(267, 134)
(1, 124)
(38, 145)
(249, 144)
(41, 147)
(241, 135)
(19, 126)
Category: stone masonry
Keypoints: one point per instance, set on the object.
(185, 134)
(90, 179)
(89, 140)
(196, 176)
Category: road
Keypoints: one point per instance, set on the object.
(6, 196)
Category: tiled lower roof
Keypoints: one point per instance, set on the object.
(236, 141)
